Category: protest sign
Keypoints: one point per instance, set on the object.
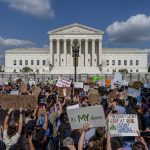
(78, 84)
(133, 92)
(108, 82)
(17, 101)
(86, 88)
(124, 83)
(94, 115)
(136, 84)
(14, 92)
(112, 96)
(117, 77)
(101, 83)
(123, 124)
(62, 92)
(51, 82)
(73, 106)
(93, 97)
(147, 85)
(63, 82)
(23, 88)
(36, 91)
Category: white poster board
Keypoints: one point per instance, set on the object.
(78, 85)
(123, 124)
(14, 92)
(133, 92)
(118, 77)
(94, 115)
(101, 83)
(86, 88)
(63, 82)
(147, 85)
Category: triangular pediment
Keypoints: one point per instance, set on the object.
(75, 29)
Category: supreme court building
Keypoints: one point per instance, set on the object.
(93, 58)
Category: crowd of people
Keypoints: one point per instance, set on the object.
(48, 127)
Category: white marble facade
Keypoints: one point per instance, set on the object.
(58, 58)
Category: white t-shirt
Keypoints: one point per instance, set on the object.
(10, 141)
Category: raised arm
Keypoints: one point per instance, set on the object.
(20, 122)
(7, 118)
(81, 140)
(60, 108)
(45, 119)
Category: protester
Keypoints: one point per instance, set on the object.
(48, 127)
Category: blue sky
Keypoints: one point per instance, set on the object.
(24, 23)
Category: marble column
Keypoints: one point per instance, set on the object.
(86, 52)
(65, 53)
(100, 52)
(58, 52)
(51, 51)
(71, 58)
(93, 51)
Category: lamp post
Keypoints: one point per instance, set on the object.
(75, 55)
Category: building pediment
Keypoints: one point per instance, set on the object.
(75, 29)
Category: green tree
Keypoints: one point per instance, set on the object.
(123, 70)
(27, 69)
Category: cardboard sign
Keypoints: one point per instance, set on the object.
(62, 92)
(23, 88)
(63, 82)
(123, 124)
(118, 77)
(136, 84)
(36, 91)
(78, 84)
(86, 88)
(94, 97)
(17, 101)
(108, 82)
(94, 115)
(133, 92)
(101, 83)
(112, 96)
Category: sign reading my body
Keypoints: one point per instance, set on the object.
(86, 118)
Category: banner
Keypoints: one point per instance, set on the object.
(94, 115)
(17, 101)
(63, 82)
(78, 85)
(123, 124)
(133, 92)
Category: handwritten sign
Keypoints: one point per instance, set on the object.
(94, 115)
(36, 91)
(23, 88)
(62, 92)
(63, 82)
(94, 97)
(112, 96)
(78, 84)
(123, 124)
(133, 92)
(14, 92)
(107, 82)
(17, 101)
